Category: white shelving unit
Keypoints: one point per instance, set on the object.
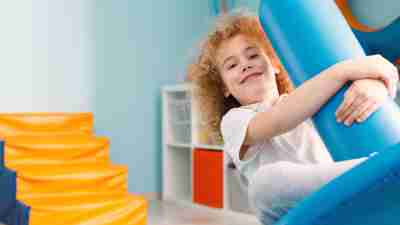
(180, 136)
(176, 135)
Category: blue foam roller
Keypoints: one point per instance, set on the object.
(309, 36)
(8, 191)
(368, 194)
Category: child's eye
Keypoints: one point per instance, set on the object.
(231, 66)
(253, 56)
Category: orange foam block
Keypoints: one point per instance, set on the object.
(64, 172)
(84, 178)
(103, 208)
(12, 124)
(51, 150)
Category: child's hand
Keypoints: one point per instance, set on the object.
(362, 99)
(374, 67)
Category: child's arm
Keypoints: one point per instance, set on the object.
(306, 100)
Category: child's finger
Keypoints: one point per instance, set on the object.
(394, 90)
(356, 101)
(392, 86)
(364, 111)
(372, 107)
(355, 113)
(351, 113)
(390, 80)
(346, 103)
(343, 108)
(395, 81)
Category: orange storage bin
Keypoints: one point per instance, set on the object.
(208, 182)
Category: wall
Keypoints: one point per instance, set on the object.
(108, 57)
(45, 56)
(141, 46)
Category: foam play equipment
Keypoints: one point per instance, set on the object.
(12, 211)
(309, 36)
(384, 41)
(39, 124)
(310, 41)
(18, 215)
(8, 191)
(55, 150)
(64, 174)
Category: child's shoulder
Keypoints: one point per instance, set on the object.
(243, 109)
(240, 113)
(253, 107)
(250, 109)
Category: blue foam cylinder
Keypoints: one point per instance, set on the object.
(309, 36)
(367, 194)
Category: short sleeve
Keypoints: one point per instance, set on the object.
(233, 128)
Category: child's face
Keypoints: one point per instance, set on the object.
(246, 71)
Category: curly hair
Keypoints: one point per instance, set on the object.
(208, 84)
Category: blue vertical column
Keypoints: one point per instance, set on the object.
(12, 212)
(309, 36)
(7, 186)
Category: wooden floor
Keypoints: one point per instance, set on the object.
(167, 213)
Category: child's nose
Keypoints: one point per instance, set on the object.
(246, 67)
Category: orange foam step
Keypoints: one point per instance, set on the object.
(65, 149)
(72, 178)
(12, 124)
(111, 208)
(64, 201)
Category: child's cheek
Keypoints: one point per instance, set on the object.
(238, 77)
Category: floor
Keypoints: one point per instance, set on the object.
(167, 213)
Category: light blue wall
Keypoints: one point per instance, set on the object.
(140, 46)
(375, 13)
(109, 57)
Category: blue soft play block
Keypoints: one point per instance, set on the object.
(8, 190)
(368, 194)
(384, 41)
(19, 215)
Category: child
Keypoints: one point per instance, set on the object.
(246, 93)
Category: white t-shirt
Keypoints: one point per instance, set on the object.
(300, 145)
